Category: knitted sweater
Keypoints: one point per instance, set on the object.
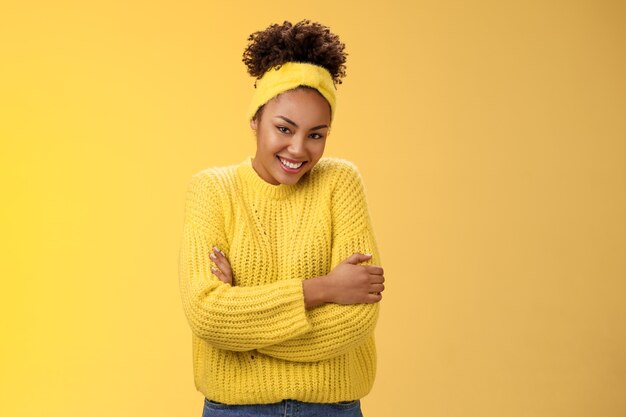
(254, 342)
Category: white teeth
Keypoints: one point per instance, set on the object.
(289, 164)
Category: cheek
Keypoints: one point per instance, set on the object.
(318, 148)
(267, 142)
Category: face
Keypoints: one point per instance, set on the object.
(291, 135)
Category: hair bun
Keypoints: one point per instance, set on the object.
(305, 41)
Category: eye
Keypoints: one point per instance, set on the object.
(283, 129)
(316, 136)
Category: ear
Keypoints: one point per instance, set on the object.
(253, 124)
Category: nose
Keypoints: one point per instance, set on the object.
(296, 146)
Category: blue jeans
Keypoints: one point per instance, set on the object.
(285, 408)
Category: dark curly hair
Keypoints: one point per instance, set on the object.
(305, 41)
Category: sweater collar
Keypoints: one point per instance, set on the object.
(254, 182)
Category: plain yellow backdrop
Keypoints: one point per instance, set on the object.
(491, 138)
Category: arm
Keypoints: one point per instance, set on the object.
(337, 328)
(231, 318)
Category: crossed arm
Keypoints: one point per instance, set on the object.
(342, 307)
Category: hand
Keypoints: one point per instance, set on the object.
(350, 283)
(223, 271)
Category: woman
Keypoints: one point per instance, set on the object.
(279, 272)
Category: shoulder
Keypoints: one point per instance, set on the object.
(336, 170)
(216, 177)
(209, 187)
(206, 194)
(342, 180)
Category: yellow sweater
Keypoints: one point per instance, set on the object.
(254, 342)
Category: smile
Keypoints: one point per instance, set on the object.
(290, 166)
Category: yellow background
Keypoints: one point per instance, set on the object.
(491, 137)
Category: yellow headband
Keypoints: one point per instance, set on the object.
(291, 75)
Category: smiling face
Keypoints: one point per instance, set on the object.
(291, 135)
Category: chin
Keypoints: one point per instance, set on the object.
(288, 180)
(291, 182)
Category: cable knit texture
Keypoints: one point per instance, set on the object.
(253, 341)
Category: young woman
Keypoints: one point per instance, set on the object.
(279, 267)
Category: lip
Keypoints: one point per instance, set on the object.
(290, 160)
(290, 170)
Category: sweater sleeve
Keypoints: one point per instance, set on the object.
(230, 317)
(337, 328)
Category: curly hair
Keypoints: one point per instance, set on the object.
(305, 41)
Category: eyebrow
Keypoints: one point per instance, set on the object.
(294, 123)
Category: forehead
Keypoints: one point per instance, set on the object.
(302, 105)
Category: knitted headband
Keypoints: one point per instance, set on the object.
(291, 75)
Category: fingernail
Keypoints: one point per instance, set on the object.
(368, 254)
(223, 254)
(216, 249)
(212, 256)
(212, 269)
